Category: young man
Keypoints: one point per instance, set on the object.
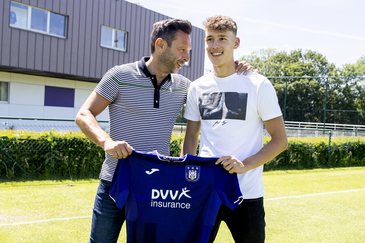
(144, 99)
(230, 111)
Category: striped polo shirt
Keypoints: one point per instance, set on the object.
(141, 112)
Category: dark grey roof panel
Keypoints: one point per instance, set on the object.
(80, 54)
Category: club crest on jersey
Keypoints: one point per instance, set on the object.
(192, 173)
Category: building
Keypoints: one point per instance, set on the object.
(53, 53)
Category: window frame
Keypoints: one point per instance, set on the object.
(7, 92)
(52, 93)
(113, 40)
(29, 21)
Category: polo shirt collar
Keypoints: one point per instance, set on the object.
(143, 68)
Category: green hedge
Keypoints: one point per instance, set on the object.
(48, 155)
(309, 153)
(51, 155)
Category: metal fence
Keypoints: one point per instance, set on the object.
(42, 125)
(310, 129)
(327, 99)
(294, 129)
(315, 129)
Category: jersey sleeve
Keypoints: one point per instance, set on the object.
(228, 189)
(211, 209)
(268, 105)
(108, 85)
(119, 191)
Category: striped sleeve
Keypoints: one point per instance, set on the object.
(108, 86)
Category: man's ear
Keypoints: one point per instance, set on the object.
(160, 44)
(237, 43)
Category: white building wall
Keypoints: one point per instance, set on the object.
(27, 94)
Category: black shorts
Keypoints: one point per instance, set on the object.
(246, 223)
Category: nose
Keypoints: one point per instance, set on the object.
(214, 43)
(186, 56)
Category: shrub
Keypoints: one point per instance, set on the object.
(51, 155)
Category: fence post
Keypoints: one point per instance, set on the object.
(285, 97)
(325, 103)
(329, 147)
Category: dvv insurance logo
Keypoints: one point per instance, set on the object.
(176, 199)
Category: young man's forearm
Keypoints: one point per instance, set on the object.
(191, 138)
(266, 154)
(273, 148)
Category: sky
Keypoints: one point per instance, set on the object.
(334, 28)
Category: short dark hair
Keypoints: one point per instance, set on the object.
(166, 30)
(220, 22)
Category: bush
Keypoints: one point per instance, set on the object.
(310, 153)
(51, 155)
(28, 155)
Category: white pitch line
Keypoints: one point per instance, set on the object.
(268, 199)
(43, 221)
(314, 194)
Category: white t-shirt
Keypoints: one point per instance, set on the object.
(232, 111)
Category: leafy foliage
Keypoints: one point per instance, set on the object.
(311, 89)
(309, 153)
(53, 155)
(48, 155)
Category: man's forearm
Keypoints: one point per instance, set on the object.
(91, 128)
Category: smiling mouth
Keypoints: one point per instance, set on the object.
(180, 64)
(216, 53)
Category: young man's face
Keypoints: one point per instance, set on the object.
(220, 46)
(175, 56)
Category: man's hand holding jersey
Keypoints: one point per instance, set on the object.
(117, 149)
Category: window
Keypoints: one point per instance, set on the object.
(113, 38)
(18, 15)
(57, 96)
(38, 20)
(4, 92)
(57, 24)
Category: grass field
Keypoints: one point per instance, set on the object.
(324, 205)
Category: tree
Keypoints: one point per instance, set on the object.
(309, 87)
(354, 79)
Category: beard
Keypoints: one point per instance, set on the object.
(168, 59)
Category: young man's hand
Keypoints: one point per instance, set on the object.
(231, 164)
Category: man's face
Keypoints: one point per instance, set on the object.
(220, 46)
(175, 56)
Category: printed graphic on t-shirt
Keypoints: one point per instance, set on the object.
(223, 105)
